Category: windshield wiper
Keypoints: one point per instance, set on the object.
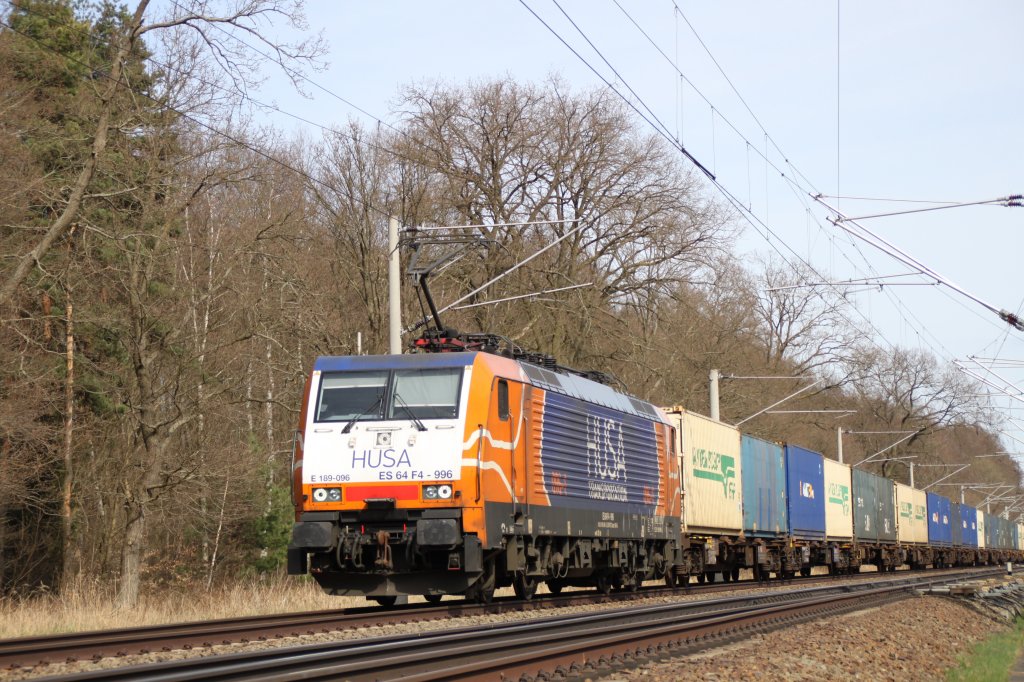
(419, 425)
(368, 410)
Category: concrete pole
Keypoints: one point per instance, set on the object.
(394, 290)
(911, 474)
(839, 446)
(713, 382)
(962, 495)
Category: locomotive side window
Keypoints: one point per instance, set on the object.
(503, 413)
(344, 397)
(426, 394)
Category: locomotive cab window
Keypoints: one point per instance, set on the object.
(503, 400)
(425, 394)
(344, 397)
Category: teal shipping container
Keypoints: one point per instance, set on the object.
(764, 488)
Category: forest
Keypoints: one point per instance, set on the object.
(171, 265)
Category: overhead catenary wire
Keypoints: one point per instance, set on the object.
(660, 129)
(902, 309)
(884, 245)
(658, 126)
(1013, 200)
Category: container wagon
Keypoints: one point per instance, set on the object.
(838, 517)
(874, 521)
(968, 535)
(913, 526)
(805, 494)
(712, 519)
(940, 533)
(765, 514)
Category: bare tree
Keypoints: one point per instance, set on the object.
(502, 153)
(803, 323)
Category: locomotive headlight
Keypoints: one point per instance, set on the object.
(327, 494)
(437, 492)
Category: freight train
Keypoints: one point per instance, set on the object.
(462, 471)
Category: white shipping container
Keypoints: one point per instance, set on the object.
(920, 498)
(981, 529)
(912, 515)
(709, 457)
(838, 501)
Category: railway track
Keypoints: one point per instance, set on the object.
(31, 651)
(578, 645)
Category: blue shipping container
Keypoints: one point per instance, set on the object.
(805, 492)
(763, 478)
(939, 531)
(969, 523)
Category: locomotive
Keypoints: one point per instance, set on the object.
(460, 472)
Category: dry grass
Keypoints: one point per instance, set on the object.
(91, 607)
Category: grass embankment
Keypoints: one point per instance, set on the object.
(89, 607)
(990, 660)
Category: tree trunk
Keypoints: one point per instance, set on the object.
(131, 556)
(268, 414)
(67, 570)
(136, 507)
(5, 453)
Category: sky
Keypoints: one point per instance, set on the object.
(909, 101)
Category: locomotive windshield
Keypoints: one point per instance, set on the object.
(344, 397)
(392, 395)
(426, 394)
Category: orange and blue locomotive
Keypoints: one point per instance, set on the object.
(459, 472)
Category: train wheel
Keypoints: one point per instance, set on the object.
(603, 583)
(433, 598)
(736, 574)
(555, 587)
(805, 571)
(525, 586)
(670, 577)
(701, 578)
(385, 601)
(727, 575)
(711, 577)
